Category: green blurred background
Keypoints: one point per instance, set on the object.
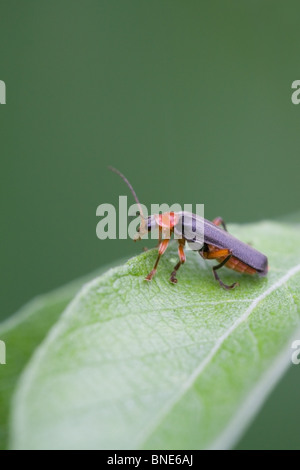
(190, 99)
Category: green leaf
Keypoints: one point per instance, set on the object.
(23, 332)
(159, 366)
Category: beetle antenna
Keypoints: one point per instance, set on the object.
(132, 192)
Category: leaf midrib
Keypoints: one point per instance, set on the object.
(219, 343)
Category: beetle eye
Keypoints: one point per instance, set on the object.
(149, 224)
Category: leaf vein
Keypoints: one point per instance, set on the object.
(219, 343)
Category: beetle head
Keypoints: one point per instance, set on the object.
(150, 224)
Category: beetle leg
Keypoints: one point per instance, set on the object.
(182, 258)
(159, 240)
(162, 248)
(217, 278)
(206, 254)
(219, 221)
(159, 236)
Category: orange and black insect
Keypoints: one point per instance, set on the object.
(215, 243)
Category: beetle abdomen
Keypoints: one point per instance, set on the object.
(233, 263)
(238, 266)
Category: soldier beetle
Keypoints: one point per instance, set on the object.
(215, 243)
